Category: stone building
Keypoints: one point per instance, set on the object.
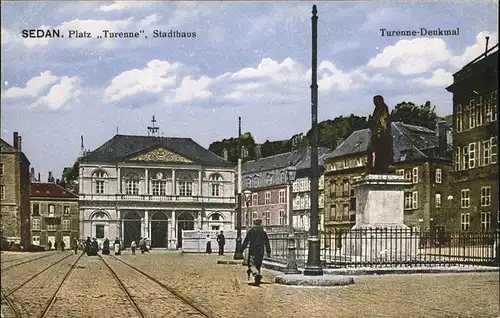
(14, 192)
(475, 123)
(154, 187)
(422, 155)
(267, 179)
(54, 214)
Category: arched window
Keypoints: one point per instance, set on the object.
(215, 187)
(99, 182)
(215, 177)
(255, 181)
(132, 183)
(269, 179)
(248, 183)
(438, 200)
(283, 177)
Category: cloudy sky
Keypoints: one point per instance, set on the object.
(247, 59)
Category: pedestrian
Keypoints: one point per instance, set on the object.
(133, 246)
(221, 241)
(141, 245)
(105, 247)
(208, 242)
(117, 247)
(56, 246)
(94, 248)
(258, 243)
(88, 243)
(49, 244)
(63, 245)
(75, 245)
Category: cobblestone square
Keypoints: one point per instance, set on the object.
(203, 288)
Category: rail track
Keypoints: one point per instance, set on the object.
(13, 310)
(195, 310)
(29, 260)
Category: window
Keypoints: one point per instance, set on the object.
(248, 183)
(472, 114)
(465, 221)
(52, 209)
(132, 187)
(485, 221)
(99, 231)
(321, 200)
(99, 186)
(408, 200)
(485, 196)
(439, 175)
(51, 227)
(494, 105)
(215, 217)
(66, 225)
(185, 188)
(415, 200)
(283, 177)
(159, 187)
(281, 198)
(2, 192)
(66, 210)
(295, 186)
(268, 198)
(35, 224)
(345, 188)
(35, 209)
(487, 111)
(307, 201)
(282, 217)
(479, 111)
(408, 176)
(269, 179)
(493, 149)
(465, 158)
(1, 169)
(215, 227)
(415, 175)
(400, 172)
(333, 189)
(345, 210)
(99, 174)
(215, 189)
(465, 198)
(268, 218)
(302, 203)
(255, 216)
(459, 118)
(255, 199)
(345, 164)
(255, 182)
(457, 159)
(486, 158)
(437, 199)
(472, 155)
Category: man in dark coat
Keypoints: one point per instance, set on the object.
(105, 247)
(94, 247)
(258, 242)
(56, 245)
(63, 245)
(88, 242)
(75, 245)
(221, 241)
(380, 152)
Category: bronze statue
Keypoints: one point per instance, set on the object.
(380, 152)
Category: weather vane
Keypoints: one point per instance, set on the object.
(152, 130)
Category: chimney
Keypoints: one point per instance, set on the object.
(39, 177)
(50, 178)
(32, 171)
(442, 137)
(258, 151)
(16, 140)
(19, 143)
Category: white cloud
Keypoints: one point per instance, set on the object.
(473, 51)
(414, 56)
(190, 90)
(60, 95)
(380, 17)
(125, 5)
(440, 77)
(33, 87)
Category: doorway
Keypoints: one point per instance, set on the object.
(131, 228)
(159, 230)
(185, 221)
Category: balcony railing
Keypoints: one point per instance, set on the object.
(158, 198)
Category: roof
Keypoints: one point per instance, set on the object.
(299, 158)
(5, 146)
(121, 147)
(409, 142)
(50, 190)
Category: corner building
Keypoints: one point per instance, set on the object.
(154, 187)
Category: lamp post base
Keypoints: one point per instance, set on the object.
(238, 254)
(291, 264)
(313, 266)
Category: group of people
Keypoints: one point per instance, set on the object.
(61, 245)
(143, 245)
(221, 241)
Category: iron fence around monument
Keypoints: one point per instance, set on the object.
(393, 247)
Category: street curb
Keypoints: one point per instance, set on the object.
(229, 262)
(389, 271)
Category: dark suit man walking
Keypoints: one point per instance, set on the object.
(257, 240)
(221, 241)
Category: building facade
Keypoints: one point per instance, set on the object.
(55, 215)
(154, 187)
(267, 179)
(423, 156)
(475, 123)
(15, 192)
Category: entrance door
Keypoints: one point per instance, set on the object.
(131, 228)
(159, 230)
(67, 242)
(185, 221)
(51, 239)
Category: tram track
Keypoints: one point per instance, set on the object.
(29, 299)
(11, 311)
(24, 260)
(147, 300)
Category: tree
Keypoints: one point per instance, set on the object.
(70, 176)
(231, 146)
(411, 114)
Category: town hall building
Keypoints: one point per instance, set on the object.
(155, 187)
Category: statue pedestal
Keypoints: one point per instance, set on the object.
(380, 233)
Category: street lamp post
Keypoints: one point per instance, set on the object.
(238, 253)
(291, 264)
(313, 266)
(248, 194)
